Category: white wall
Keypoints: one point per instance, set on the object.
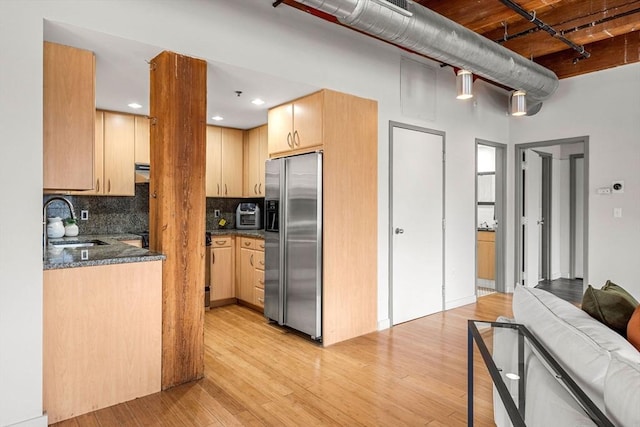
(602, 106)
(246, 33)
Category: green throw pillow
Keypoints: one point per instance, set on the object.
(611, 305)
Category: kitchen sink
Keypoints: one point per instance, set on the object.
(77, 243)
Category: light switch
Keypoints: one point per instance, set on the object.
(617, 212)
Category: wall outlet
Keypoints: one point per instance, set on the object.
(617, 212)
(84, 215)
(216, 213)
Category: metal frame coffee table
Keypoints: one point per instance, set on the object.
(523, 337)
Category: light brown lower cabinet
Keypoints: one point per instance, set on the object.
(486, 255)
(250, 271)
(222, 260)
(102, 336)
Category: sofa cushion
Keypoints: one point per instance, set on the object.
(581, 344)
(611, 305)
(633, 328)
(622, 392)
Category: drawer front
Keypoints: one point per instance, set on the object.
(259, 244)
(247, 243)
(258, 297)
(258, 279)
(259, 260)
(221, 242)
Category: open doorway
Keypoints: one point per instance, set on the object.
(551, 215)
(490, 215)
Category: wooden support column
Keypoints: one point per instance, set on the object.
(177, 208)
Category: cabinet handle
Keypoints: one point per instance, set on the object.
(255, 186)
(220, 242)
(97, 185)
(109, 186)
(251, 260)
(247, 243)
(225, 189)
(261, 281)
(261, 300)
(296, 138)
(260, 189)
(289, 140)
(218, 188)
(213, 257)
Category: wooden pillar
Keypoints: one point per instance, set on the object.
(177, 208)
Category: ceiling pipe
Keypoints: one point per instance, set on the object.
(424, 31)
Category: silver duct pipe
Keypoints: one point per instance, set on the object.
(424, 31)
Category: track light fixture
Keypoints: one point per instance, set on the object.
(464, 84)
(518, 103)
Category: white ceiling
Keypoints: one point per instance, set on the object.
(122, 77)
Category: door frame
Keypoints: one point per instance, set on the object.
(547, 208)
(392, 125)
(572, 215)
(518, 211)
(500, 212)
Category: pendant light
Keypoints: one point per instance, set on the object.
(518, 103)
(464, 84)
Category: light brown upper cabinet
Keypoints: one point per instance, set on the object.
(224, 162)
(69, 116)
(113, 161)
(255, 150)
(142, 138)
(296, 126)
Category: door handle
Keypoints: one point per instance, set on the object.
(399, 230)
(541, 222)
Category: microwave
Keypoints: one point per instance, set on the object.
(248, 216)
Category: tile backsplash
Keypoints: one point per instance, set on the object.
(114, 215)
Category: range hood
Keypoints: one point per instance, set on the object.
(142, 172)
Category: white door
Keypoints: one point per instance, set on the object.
(416, 221)
(533, 215)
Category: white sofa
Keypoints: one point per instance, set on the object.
(601, 362)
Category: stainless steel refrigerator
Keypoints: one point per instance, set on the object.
(293, 243)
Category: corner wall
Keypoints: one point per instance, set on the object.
(603, 106)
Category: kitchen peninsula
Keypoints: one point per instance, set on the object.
(102, 324)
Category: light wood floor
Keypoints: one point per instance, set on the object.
(258, 374)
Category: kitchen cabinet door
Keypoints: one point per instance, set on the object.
(142, 140)
(119, 172)
(214, 162)
(245, 283)
(486, 255)
(68, 117)
(232, 149)
(222, 278)
(280, 133)
(307, 121)
(255, 155)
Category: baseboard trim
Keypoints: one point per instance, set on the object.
(33, 422)
(448, 305)
(384, 324)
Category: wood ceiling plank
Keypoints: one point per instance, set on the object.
(482, 16)
(613, 52)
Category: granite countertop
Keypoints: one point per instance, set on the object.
(235, 232)
(115, 252)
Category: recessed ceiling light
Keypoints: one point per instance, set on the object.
(135, 105)
(257, 101)
(217, 118)
(512, 376)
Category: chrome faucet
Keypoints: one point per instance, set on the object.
(44, 215)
